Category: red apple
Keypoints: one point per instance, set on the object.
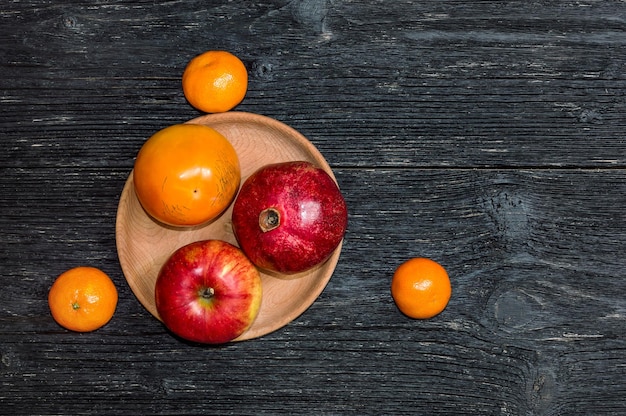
(208, 292)
(289, 217)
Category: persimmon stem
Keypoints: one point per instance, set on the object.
(269, 219)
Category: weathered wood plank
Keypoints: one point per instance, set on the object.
(537, 303)
(452, 86)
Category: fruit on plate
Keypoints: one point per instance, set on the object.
(82, 299)
(421, 288)
(289, 217)
(215, 81)
(208, 292)
(186, 175)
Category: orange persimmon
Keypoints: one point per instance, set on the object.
(186, 174)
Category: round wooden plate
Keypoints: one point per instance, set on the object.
(143, 244)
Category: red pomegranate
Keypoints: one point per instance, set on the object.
(289, 217)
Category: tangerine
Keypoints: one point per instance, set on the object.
(421, 288)
(82, 299)
(186, 174)
(215, 81)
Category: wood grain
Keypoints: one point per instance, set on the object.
(486, 135)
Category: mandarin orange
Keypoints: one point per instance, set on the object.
(421, 288)
(215, 81)
(82, 299)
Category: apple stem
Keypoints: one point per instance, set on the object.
(207, 293)
(269, 219)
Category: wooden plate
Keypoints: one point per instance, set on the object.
(143, 245)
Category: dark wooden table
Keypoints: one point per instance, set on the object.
(487, 135)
